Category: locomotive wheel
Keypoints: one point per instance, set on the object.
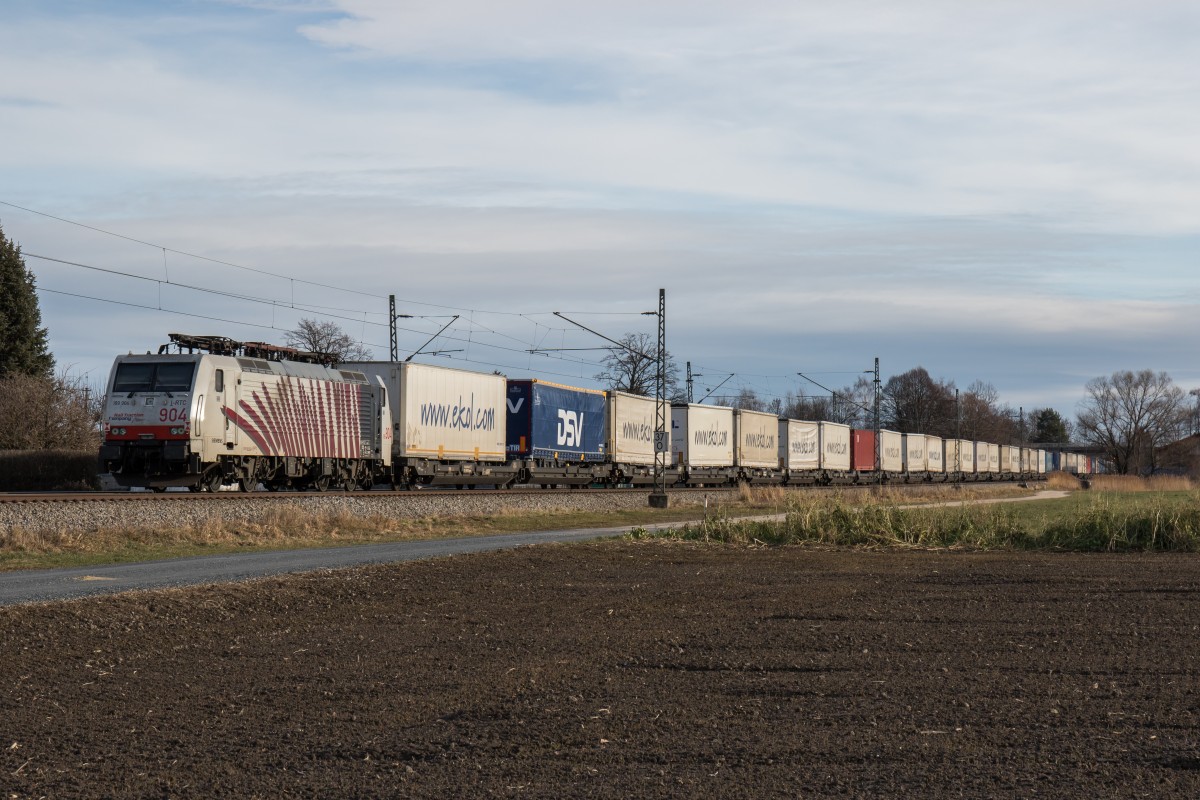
(211, 482)
(320, 483)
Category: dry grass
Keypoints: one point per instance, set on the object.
(780, 496)
(1133, 483)
(762, 495)
(1085, 521)
(1062, 481)
(1122, 484)
(277, 526)
(291, 528)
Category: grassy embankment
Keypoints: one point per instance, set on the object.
(286, 528)
(1118, 514)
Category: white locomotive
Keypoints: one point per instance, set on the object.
(244, 414)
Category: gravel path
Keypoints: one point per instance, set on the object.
(62, 584)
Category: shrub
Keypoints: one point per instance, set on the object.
(1103, 524)
(47, 470)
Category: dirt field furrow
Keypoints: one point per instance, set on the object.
(618, 670)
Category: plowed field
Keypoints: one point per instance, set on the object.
(620, 670)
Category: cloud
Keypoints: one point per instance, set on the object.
(987, 189)
(1072, 111)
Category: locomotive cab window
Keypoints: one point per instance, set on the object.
(134, 378)
(219, 380)
(173, 377)
(153, 378)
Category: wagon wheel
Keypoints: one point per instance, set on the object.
(254, 473)
(210, 481)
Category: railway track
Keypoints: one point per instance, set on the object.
(157, 497)
(169, 497)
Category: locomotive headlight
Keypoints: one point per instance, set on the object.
(118, 431)
(178, 431)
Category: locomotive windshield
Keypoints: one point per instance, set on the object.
(132, 377)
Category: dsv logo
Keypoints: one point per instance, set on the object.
(570, 428)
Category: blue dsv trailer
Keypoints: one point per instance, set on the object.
(548, 422)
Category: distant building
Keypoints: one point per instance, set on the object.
(1180, 457)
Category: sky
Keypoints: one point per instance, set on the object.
(1006, 192)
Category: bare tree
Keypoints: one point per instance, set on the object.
(853, 405)
(1129, 414)
(807, 407)
(327, 338)
(913, 402)
(56, 413)
(985, 418)
(746, 399)
(633, 367)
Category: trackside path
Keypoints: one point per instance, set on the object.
(32, 586)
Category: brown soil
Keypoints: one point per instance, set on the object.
(621, 670)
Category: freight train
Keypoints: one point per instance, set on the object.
(249, 414)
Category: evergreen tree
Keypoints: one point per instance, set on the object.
(22, 339)
(1050, 427)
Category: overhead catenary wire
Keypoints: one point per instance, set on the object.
(219, 292)
(322, 310)
(292, 278)
(185, 253)
(282, 304)
(178, 312)
(359, 316)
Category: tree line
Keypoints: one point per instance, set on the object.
(915, 402)
(40, 408)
